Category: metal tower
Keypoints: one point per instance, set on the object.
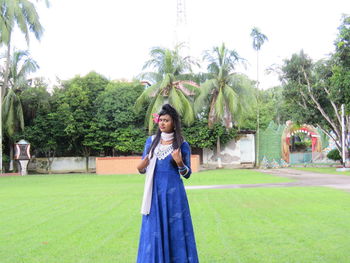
(181, 31)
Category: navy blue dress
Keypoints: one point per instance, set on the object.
(167, 232)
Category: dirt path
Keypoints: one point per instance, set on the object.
(303, 178)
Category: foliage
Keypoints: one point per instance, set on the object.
(115, 105)
(258, 38)
(226, 93)
(35, 100)
(334, 155)
(201, 136)
(46, 135)
(310, 95)
(341, 70)
(316, 91)
(168, 84)
(20, 66)
(272, 107)
(119, 127)
(75, 102)
(129, 140)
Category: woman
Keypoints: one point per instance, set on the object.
(166, 232)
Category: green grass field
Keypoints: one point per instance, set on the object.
(95, 219)
(324, 170)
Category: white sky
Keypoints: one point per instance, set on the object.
(113, 37)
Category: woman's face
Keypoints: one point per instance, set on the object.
(166, 123)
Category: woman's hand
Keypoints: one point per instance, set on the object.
(176, 154)
(143, 164)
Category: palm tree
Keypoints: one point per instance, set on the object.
(258, 40)
(225, 92)
(21, 64)
(20, 13)
(170, 84)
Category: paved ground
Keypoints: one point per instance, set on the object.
(302, 178)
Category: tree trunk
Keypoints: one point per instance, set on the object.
(50, 160)
(2, 93)
(257, 161)
(11, 155)
(218, 152)
(87, 163)
(86, 153)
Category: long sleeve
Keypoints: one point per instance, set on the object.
(186, 157)
(147, 146)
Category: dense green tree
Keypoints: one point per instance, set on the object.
(169, 84)
(199, 135)
(229, 95)
(310, 95)
(75, 102)
(272, 107)
(46, 134)
(35, 100)
(116, 117)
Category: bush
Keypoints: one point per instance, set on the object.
(334, 155)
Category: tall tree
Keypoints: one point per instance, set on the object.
(169, 84)
(310, 86)
(20, 13)
(21, 64)
(226, 92)
(258, 40)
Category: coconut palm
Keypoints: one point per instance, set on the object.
(169, 84)
(258, 40)
(226, 92)
(20, 13)
(21, 64)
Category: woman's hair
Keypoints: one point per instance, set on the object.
(178, 138)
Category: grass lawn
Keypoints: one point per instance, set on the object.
(233, 176)
(96, 219)
(324, 170)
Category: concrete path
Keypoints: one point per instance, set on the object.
(302, 178)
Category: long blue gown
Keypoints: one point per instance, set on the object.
(167, 232)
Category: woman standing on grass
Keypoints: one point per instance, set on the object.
(166, 232)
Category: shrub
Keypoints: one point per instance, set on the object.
(334, 155)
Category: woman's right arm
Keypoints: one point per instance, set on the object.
(144, 162)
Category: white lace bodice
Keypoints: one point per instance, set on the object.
(162, 151)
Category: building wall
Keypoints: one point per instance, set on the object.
(234, 153)
(127, 165)
(102, 165)
(63, 165)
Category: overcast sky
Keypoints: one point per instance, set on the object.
(114, 37)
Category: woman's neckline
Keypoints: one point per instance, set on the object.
(165, 142)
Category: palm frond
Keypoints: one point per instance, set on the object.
(176, 101)
(147, 95)
(220, 104)
(150, 76)
(231, 99)
(158, 102)
(188, 112)
(205, 93)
